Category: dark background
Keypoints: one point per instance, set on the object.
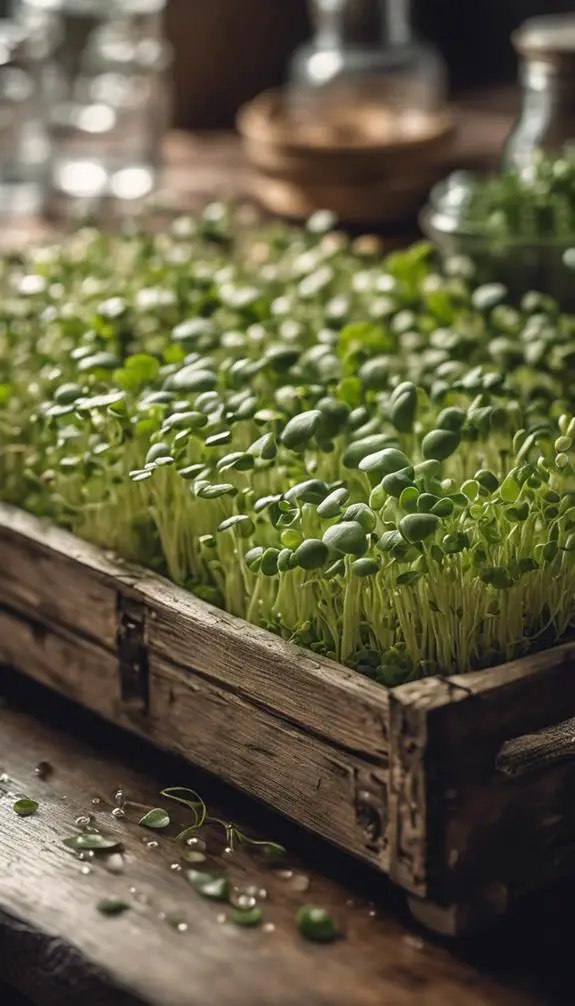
(229, 50)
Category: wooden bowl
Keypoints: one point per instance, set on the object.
(296, 171)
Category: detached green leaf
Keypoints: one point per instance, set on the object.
(112, 906)
(251, 917)
(25, 807)
(316, 924)
(155, 819)
(214, 888)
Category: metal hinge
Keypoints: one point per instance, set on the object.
(132, 654)
(371, 809)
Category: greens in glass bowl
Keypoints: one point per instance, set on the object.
(518, 227)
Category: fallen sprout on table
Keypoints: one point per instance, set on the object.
(368, 456)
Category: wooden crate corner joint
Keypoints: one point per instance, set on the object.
(132, 651)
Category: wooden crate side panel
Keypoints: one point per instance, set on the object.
(59, 579)
(56, 587)
(327, 790)
(482, 829)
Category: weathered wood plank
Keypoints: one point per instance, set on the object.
(61, 952)
(459, 823)
(59, 579)
(295, 772)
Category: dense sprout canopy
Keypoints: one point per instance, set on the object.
(369, 456)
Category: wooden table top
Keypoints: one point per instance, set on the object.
(58, 950)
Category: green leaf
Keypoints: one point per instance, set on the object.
(509, 490)
(311, 554)
(112, 906)
(240, 523)
(316, 924)
(365, 567)
(214, 888)
(440, 444)
(155, 819)
(363, 514)
(300, 430)
(417, 527)
(348, 538)
(251, 917)
(332, 504)
(360, 449)
(385, 462)
(25, 807)
(192, 378)
(365, 337)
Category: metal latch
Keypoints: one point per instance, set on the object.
(371, 809)
(132, 653)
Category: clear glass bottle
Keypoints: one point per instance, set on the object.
(365, 72)
(108, 93)
(546, 47)
(24, 148)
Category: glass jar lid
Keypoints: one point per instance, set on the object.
(549, 39)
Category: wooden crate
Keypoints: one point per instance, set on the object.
(440, 783)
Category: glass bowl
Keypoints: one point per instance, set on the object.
(521, 265)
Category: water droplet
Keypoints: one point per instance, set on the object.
(152, 844)
(95, 801)
(262, 894)
(269, 927)
(182, 927)
(350, 903)
(221, 918)
(228, 851)
(196, 843)
(300, 883)
(86, 855)
(414, 942)
(284, 874)
(162, 916)
(86, 870)
(120, 798)
(43, 770)
(133, 890)
(176, 867)
(115, 863)
(4, 777)
(241, 899)
(372, 913)
(118, 812)
(84, 822)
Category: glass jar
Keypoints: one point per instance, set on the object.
(364, 72)
(24, 148)
(546, 47)
(108, 94)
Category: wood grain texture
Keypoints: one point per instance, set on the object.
(59, 951)
(299, 774)
(63, 581)
(406, 780)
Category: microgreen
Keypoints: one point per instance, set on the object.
(372, 458)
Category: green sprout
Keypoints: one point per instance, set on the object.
(372, 458)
